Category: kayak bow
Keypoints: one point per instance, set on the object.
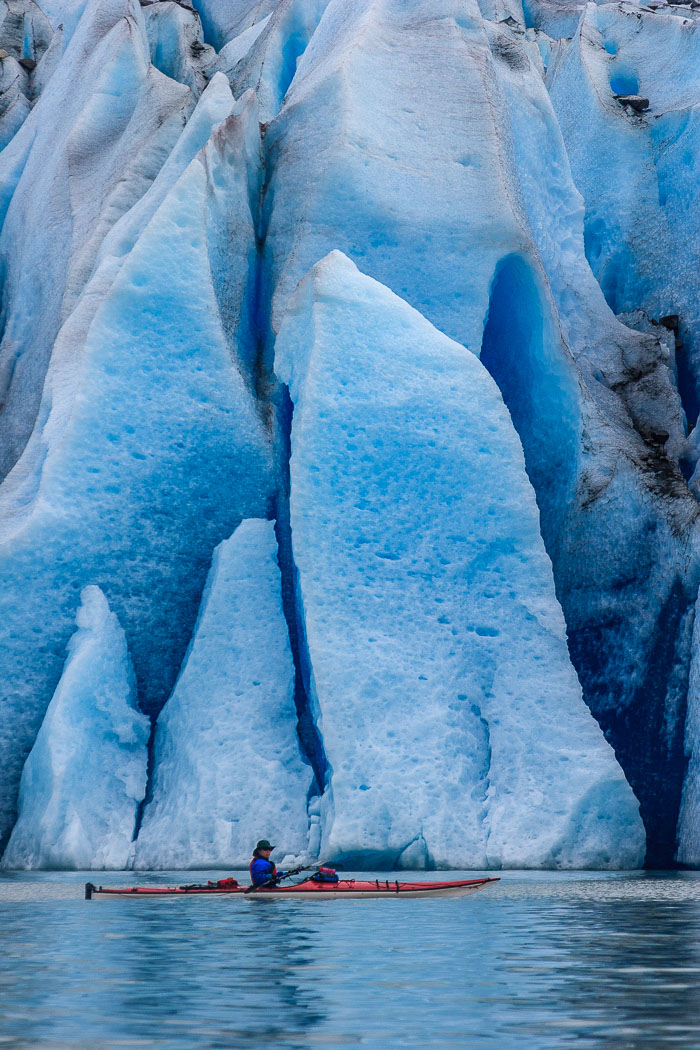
(353, 889)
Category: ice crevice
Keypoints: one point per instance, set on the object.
(276, 394)
(310, 737)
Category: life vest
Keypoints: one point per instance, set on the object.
(270, 874)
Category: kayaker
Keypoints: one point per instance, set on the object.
(261, 867)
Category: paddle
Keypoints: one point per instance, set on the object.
(274, 879)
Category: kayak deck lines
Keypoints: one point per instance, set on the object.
(345, 888)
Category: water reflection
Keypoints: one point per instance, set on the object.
(540, 961)
(631, 972)
(182, 976)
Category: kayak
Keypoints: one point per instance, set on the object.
(352, 889)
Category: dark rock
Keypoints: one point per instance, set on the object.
(3, 54)
(635, 102)
(27, 63)
(657, 436)
(670, 321)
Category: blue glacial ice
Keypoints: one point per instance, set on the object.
(168, 177)
(85, 180)
(429, 606)
(86, 773)
(177, 49)
(225, 20)
(270, 61)
(380, 182)
(460, 113)
(148, 450)
(689, 816)
(642, 236)
(227, 763)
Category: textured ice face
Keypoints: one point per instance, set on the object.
(226, 755)
(86, 773)
(176, 45)
(85, 179)
(150, 249)
(439, 669)
(689, 817)
(150, 449)
(636, 169)
(384, 182)
(224, 20)
(271, 51)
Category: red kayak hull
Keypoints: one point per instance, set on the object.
(344, 888)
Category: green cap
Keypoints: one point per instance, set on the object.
(264, 844)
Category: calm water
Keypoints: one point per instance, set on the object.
(537, 961)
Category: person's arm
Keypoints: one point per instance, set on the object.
(261, 870)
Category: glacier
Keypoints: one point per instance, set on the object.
(429, 607)
(85, 776)
(112, 487)
(255, 256)
(234, 700)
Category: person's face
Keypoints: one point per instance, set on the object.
(265, 853)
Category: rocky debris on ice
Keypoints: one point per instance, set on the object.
(86, 773)
(226, 753)
(635, 102)
(177, 49)
(25, 31)
(636, 177)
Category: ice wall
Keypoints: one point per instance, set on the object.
(169, 177)
(613, 469)
(149, 447)
(454, 189)
(381, 181)
(636, 167)
(86, 773)
(87, 152)
(428, 603)
(227, 764)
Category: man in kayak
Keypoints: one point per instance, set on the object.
(262, 868)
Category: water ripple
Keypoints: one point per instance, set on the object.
(541, 960)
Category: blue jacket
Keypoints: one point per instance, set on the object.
(261, 870)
